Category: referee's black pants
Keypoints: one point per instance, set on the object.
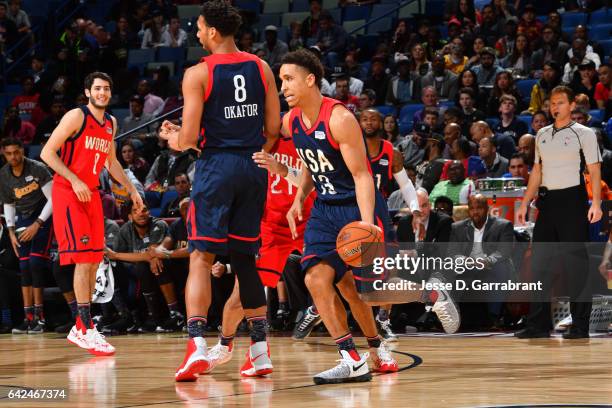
(562, 218)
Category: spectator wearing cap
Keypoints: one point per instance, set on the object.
(509, 124)
(551, 77)
(401, 89)
(505, 44)
(552, 49)
(489, 29)
(579, 57)
(529, 24)
(586, 81)
(153, 104)
(378, 79)
(430, 169)
(274, 49)
(455, 59)
(137, 117)
(174, 36)
(331, 39)
(458, 188)
(487, 69)
(443, 80)
(495, 164)
(413, 148)
(602, 88)
(355, 84)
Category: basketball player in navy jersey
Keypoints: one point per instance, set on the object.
(329, 141)
(231, 111)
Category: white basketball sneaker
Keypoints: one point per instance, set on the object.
(445, 307)
(90, 339)
(219, 355)
(258, 361)
(349, 370)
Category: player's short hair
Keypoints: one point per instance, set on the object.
(222, 16)
(306, 60)
(564, 90)
(11, 141)
(89, 79)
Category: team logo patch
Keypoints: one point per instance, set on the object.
(319, 135)
(84, 239)
(109, 130)
(384, 162)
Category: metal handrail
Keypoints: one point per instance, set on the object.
(388, 13)
(146, 124)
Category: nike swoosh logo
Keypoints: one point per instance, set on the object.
(262, 354)
(355, 368)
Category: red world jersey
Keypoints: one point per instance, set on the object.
(85, 153)
(281, 193)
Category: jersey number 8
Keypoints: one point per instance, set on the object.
(240, 91)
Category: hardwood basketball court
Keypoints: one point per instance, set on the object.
(435, 371)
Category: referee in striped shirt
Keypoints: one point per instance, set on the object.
(563, 149)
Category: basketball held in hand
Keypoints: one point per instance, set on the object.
(358, 243)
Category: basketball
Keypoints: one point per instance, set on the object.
(357, 243)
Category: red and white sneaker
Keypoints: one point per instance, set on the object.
(90, 339)
(195, 362)
(382, 362)
(258, 361)
(219, 355)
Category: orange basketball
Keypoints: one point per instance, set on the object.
(357, 243)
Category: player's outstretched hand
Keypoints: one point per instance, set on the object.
(81, 190)
(267, 161)
(294, 212)
(137, 200)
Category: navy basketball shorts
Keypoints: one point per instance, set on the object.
(227, 201)
(40, 245)
(325, 222)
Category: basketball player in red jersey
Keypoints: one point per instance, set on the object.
(231, 111)
(284, 168)
(85, 139)
(387, 165)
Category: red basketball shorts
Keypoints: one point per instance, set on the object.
(79, 227)
(276, 246)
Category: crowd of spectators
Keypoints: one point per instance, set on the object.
(447, 89)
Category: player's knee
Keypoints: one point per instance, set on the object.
(252, 292)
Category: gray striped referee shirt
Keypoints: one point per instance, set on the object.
(559, 150)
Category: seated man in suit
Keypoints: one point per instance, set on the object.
(488, 239)
(430, 226)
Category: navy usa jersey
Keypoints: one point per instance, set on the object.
(321, 154)
(382, 166)
(234, 102)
